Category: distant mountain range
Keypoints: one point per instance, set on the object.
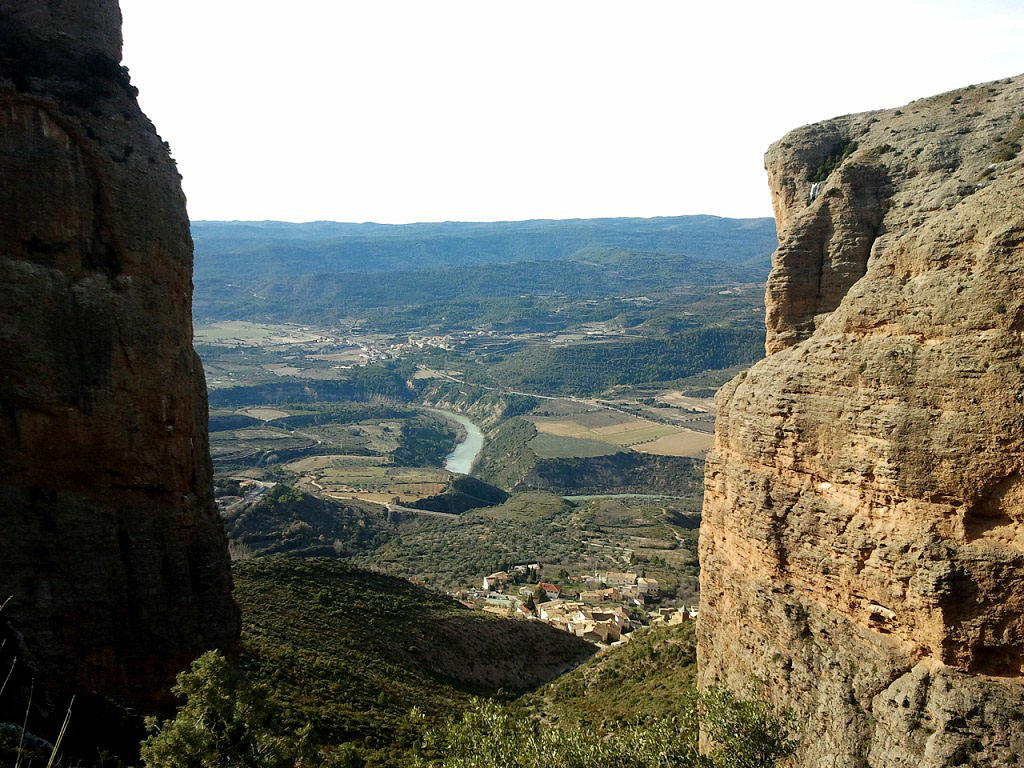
(224, 248)
(319, 271)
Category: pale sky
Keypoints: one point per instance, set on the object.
(479, 110)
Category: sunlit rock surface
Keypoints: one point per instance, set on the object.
(862, 546)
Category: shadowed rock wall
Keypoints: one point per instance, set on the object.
(110, 544)
(862, 545)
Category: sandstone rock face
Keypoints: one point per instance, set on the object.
(862, 548)
(111, 548)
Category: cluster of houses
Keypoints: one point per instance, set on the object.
(618, 586)
(598, 625)
(599, 612)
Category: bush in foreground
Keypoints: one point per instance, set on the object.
(744, 733)
(225, 721)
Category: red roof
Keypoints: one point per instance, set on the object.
(550, 587)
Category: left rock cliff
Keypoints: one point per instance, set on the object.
(111, 549)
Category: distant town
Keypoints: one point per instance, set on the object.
(602, 608)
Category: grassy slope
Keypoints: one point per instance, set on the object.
(351, 651)
(647, 678)
(507, 458)
(529, 527)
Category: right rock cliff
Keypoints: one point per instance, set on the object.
(862, 547)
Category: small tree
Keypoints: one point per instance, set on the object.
(747, 733)
(223, 722)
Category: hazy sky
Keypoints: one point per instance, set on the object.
(391, 111)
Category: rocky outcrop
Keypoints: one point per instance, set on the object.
(862, 545)
(111, 550)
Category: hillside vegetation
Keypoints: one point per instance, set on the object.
(351, 669)
(655, 535)
(463, 493)
(348, 652)
(638, 301)
(632, 706)
(644, 679)
(616, 316)
(288, 521)
(586, 369)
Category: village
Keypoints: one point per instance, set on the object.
(602, 608)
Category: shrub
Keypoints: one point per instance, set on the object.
(488, 736)
(744, 734)
(223, 722)
(747, 732)
(832, 160)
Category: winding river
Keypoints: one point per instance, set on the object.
(460, 461)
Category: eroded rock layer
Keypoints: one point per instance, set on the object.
(862, 546)
(111, 549)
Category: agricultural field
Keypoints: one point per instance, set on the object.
(583, 433)
(237, 353)
(380, 437)
(314, 464)
(267, 414)
(375, 452)
(548, 446)
(350, 355)
(346, 479)
(681, 443)
(239, 333)
(254, 446)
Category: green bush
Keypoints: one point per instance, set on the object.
(832, 160)
(223, 722)
(488, 736)
(747, 733)
(744, 734)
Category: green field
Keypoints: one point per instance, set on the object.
(374, 451)
(333, 461)
(604, 425)
(379, 483)
(249, 447)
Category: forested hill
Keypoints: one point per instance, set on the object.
(526, 275)
(271, 248)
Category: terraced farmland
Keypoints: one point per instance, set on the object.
(600, 432)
